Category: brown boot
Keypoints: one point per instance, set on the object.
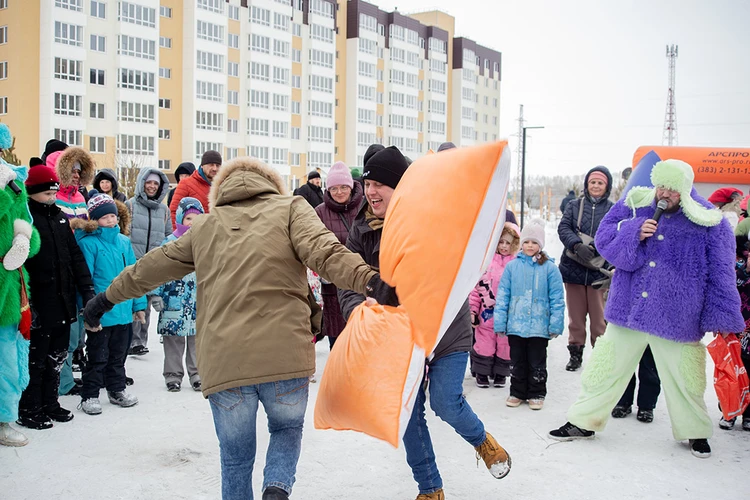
(435, 495)
(495, 457)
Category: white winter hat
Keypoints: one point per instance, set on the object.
(534, 231)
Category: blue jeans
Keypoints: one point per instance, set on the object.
(446, 376)
(235, 411)
(66, 372)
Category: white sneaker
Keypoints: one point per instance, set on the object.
(123, 399)
(11, 437)
(90, 406)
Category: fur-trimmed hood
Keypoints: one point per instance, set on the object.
(90, 226)
(242, 179)
(70, 157)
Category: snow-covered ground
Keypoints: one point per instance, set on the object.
(165, 448)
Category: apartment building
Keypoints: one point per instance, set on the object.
(296, 83)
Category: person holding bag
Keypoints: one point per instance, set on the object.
(581, 265)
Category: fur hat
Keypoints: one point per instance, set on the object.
(69, 159)
(100, 205)
(42, 178)
(515, 233)
(677, 176)
(534, 231)
(339, 175)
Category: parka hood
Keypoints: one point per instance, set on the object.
(606, 172)
(140, 192)
(70, 157)
(243, 179)
(109, 175)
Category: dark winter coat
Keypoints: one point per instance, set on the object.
(312, 193)
(593, 213)
(151, 222)
(109, 175)
(564, 203)
(58, 271)
(365, 241)
(333, 214)
(510, 217)
(184, 168)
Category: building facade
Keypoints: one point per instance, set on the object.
(296, 83)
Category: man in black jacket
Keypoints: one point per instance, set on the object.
(564, 203)
(56, 273)
(311, 191)
(447, 364)
(183, 171)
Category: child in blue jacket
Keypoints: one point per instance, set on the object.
(107, 253)
(529, 309)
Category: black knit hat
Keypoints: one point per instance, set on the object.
(313, 175)
(210, 157)
(52, 146)
(374, 148)
(386, 166)
(34, 161)
(446, 146)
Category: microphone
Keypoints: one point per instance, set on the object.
(660, 207)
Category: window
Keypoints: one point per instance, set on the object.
(281, 75)
(233, 126)
(296, 29)
(366, 93)
(367, 69)
(96, 76)
(3, 4)
(437, 86)
(209, 91)
(396, 121)
(211, 32)
(280, 129)
(467, 113)
(98, 9)
(320, 134)
(296, 81)
(165, 73)
(296, 107)
(136, 14)
(135, 145)
(467, 74)
(366, 116)
(281, 102)
(260, 16)
(98, 43)
(438, 66)
(258, 126)
(3, 105)
(321, 8)
(494, 120)
(75, 5)
(281, 21)
(280, 156)
(210, 61)
(467, 132)
(322, 84)
(295, 133)
(96, 144)
(321, 58)
(72, 137)
(232, 153)
(411, 123)
(165, 103)
(434, 127)
(67, 69)
(317, 159)
(296, 55)
(260, 43)
(318, 32)
(368, 23)
(494, 102)
(412, 59)
(259, 152)
(397, 99)
(261, 71)
(165, 11)
(135, 112)
(281, 48)
(212, 6)
(436, 107)
(68, 34)
(233, 41)
(165, 134)
(209, 121)
(136, 47)
(3, 70)
(398, 55)
(294, 159)
(233, 69)
(233, 97)
(411, 102)
(467, 94)
(486, 119)
(367, 46)
(165, 43)
(397, 76)
(233, 12)
(68, 105)
(320, 108)
(165, 164)
(380, 97)
(136, 80)
(411, 80)
(437, 45)
(259, 99)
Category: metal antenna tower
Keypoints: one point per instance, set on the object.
(670, 116)
(519, 172)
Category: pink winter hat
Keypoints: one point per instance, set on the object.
(339, 175)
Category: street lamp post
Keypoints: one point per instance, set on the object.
(523, 170)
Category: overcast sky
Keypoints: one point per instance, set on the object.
(594, 73)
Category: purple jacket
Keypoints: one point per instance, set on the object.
(678, 284)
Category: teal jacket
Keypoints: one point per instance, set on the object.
(107, 253)
(530, 299)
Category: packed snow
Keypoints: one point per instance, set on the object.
(166, 448)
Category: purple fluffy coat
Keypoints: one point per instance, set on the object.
(678, 284)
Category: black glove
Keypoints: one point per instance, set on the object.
(585, 252)
(381, 291)
(95, 309)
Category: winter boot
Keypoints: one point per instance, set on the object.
(645, 416)
(173, 386)
(197, 386)
(274, 493)
(499, 381)
(700, 448)
(11, 437)
(482, 381)
(536, 403)
(576, 357)
(496, 459)
(38, 421)
(513, 401)
(59, 414)
(435, 495)
(122, 398)
(745, 424)
(569, 432)
(91, 406)
(727, 425)
(621, 411)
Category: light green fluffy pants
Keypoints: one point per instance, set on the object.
(682, 370)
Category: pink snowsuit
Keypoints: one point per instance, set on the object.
(482, 305)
